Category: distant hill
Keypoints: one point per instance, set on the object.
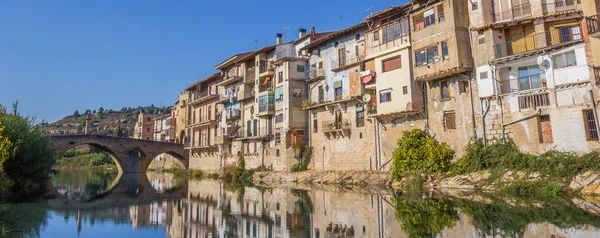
(103, 122)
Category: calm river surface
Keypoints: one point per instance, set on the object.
(94, 203)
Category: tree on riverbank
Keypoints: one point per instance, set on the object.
(24, 172)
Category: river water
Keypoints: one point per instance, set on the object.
(92, 203)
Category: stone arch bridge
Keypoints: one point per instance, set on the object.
(130, 155)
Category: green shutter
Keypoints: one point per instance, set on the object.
(337, 84)
(278, 92)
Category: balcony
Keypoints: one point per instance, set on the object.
(285, 53)
(198, 97)
(268, 87)
(248, 94)
(278, 104)
(336, 128)
(345, 62)
(560, 6)
(265, 69)
(533, 101)
(227, 96)
(316, 74)
(250, 76)
(514, 13)
(561, 36)
(258, 133)
(266, 109)
(524, 83)
(233, 114)
(593, 25)
(229, 80)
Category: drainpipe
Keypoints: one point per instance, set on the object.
(498, 100)
(487, 100)
(594, 109)
(539, 111)
(472, 106)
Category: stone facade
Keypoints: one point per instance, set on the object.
(144, 127)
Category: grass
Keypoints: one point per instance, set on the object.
(184, 173)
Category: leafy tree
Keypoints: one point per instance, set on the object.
(25, 172)
(101, 110)
(94, 112)
(119, 131)
(419, 152)
(87, 112)
(76, 113)
(124, 109)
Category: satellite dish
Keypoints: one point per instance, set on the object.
(366, 98)
(540, 60)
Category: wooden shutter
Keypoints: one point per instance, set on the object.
(440, 9)
(450, 120)
(391, 64)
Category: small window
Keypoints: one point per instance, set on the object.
(315, 125)
(356, 50)
(321, 65)
(376, 36)
(463, 86)
(441, 12)
(277, 152)
(481, 40)
(545, 129)
(405, 90)
(147, 138)
(147, 129)
(475, 6)
(360, 135)
(483, 75)
(449, 120)
(360, 118)
(300, 68)
(385, 95)
(398, 121)
(564, 60)
(335, 44)
(391, 63)
(445, 50)
(589, 121)
(429, 16)
(357, 37)
(444, 92)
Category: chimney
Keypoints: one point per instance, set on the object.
(301, 32)
(313, 32)
(279, 35)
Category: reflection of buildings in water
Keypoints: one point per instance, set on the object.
(160, 181)
(155, 214)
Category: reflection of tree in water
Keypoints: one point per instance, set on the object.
(301, 214)
(22, 220)
(424, 217)
(501, 216)
(83, 184)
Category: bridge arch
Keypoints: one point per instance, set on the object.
(132, 155)
(62, 149)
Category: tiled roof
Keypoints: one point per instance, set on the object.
(241, 55)
(209, 78)
(387, 10)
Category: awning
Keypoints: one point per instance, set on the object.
(337, 84)
(367, 78)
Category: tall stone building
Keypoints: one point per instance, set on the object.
(535, 84)
(144, 126)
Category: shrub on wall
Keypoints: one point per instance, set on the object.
(419, 152)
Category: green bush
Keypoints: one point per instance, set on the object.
(417, 151)
(30, 158)
(303, 155)
(498, 156)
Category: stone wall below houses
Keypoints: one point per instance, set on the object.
(271, 178)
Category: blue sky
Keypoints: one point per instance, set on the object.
(60, 56)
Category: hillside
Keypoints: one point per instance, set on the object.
(103, 122)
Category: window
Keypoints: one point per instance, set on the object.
(360, 116)
(280, 77)
(483, 75)
(429, 16)
(420, 58)
(341, 57)
(315, 124)
(481, 40)
(147, 138)
(321, 65)
(441, 12)
(432, 53)
(589, 121)
(545, 129)
(426, 56)
(300, 68)
(405, 90)
(338, 94)
(445, 50)
(564, 60)
(277, 152)
(335, 44)
(395, 31)
(376, 36)
(419, 22)
(149, 119)
(398, 121)
(569, 33)
(147, 129)
(385, 95)
(463, 86)
(474, 6)
(356, 50)
(279, 118)
(449, 120)
(321, 94)
(530, 77)
(444, 92)
(392, 63)
(357, 37)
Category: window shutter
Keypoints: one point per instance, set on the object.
(450, 120)
(391, 64)
(441, 11)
